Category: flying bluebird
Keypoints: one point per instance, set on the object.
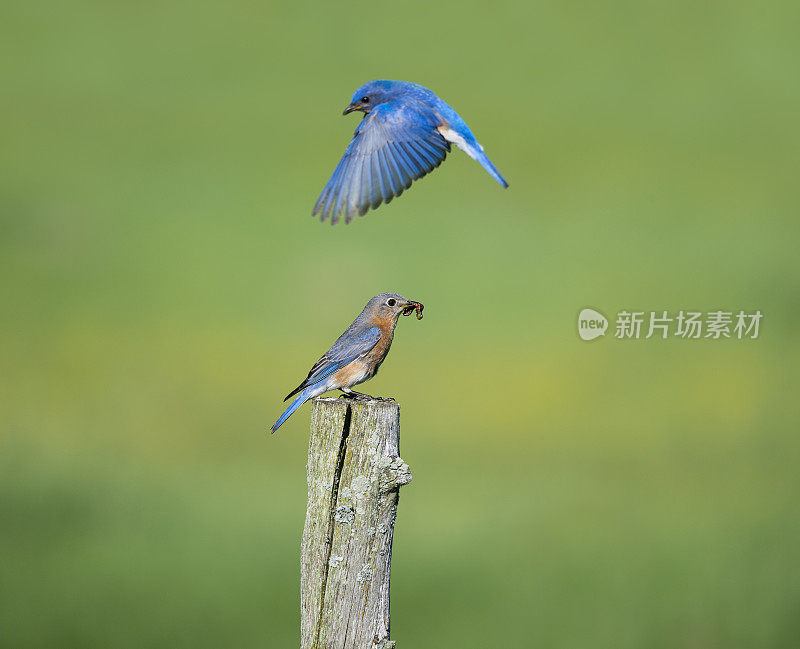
(357, 354)
(406, 132)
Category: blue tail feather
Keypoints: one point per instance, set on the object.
(493, 172)
(299, 401)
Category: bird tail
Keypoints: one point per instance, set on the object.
(487, 164)
(304, 396)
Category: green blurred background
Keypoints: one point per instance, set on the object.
(164, 286)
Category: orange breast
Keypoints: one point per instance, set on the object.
(378, 353)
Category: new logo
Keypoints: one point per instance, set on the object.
(591, 324)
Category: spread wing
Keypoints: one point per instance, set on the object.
(344, 351)
(393, 146)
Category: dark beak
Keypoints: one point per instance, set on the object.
(350, 109)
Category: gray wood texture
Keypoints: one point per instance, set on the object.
(354, 476)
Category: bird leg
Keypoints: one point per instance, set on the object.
(360, 396)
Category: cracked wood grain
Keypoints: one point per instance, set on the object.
(354, 476)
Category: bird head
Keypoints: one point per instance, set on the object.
(372, 94)
(391, 306)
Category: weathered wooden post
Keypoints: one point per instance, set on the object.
(354, 476)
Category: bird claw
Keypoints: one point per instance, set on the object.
(363, 397)
(360, 396)
(356, 396)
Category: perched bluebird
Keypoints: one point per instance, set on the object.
(406, 132)
(357, 354)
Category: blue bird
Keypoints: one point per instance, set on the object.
(357, 354)
(406, 132)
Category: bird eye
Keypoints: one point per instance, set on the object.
(365, 100)
(391, 301)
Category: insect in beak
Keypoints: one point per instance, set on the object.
(414, 306)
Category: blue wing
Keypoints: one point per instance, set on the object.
(393, 146)
(344, 351)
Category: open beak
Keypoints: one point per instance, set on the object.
(350, 109)
(412, 306)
